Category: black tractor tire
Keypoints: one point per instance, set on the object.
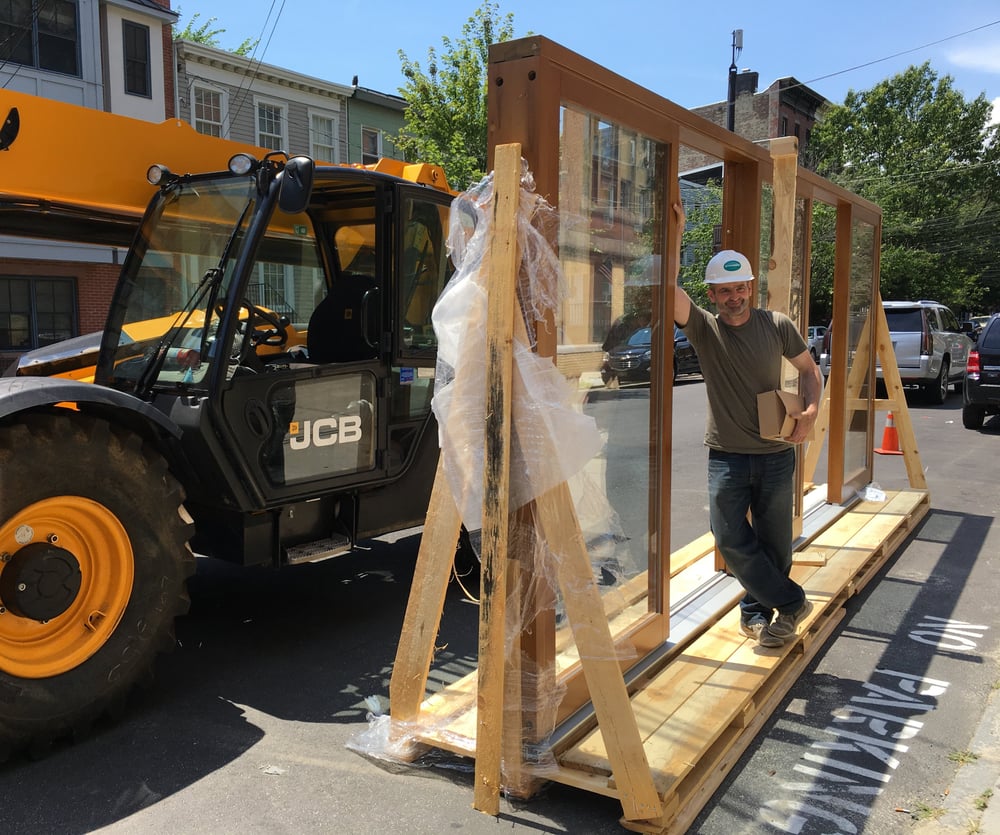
(94, 560)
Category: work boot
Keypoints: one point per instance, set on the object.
(784, 625)
(761, 632)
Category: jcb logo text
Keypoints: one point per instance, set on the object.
(325, 432)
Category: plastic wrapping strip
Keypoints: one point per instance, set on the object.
(551, 438)
(401, 743)
(541, 286)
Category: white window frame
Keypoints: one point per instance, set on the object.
(146, 63)
(223, 107)
(278, 277)
(315, 146)
(282, 109)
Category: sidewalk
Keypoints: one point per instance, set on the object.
(976, 783)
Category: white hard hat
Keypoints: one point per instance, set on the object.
(728, 266)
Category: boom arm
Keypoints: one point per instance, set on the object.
(78, 174)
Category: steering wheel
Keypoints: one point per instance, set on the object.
(275, 336)
(244, 352)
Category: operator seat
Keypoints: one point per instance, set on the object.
(338, 329)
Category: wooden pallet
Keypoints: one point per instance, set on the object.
(699, 713)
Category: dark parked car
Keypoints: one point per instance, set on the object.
(981, 393)
(631, 361)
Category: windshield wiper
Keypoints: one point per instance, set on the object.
(210, 283)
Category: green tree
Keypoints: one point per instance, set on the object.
(445, 120)
(204, 33)
(703, 209)
(931, 159)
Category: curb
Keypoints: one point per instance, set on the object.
(973, 784)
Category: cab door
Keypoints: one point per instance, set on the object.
(305, 414)
(422, 269)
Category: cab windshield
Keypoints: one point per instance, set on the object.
(170, 301)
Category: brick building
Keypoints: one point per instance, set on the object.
(113, 55)
(786, 108)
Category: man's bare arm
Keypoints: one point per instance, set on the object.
(682, 301)
(811, 387)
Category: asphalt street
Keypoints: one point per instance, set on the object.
(248, 723)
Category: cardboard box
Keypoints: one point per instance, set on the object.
(772, 413)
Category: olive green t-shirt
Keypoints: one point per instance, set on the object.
(738, 363)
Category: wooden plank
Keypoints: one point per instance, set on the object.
(894, 387)
(712, 684)
(809, 556)
(820, 429)
(839, 583)
(678, 745)
(558, 524)
(663, 695)
(502, 265)
(713, 768)
(415, 651)
(785, 155)
(713, 764)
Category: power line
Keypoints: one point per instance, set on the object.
(894, 55)
(251, 74)
(960, 168)
(29, 32)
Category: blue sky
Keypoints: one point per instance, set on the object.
(680, 50)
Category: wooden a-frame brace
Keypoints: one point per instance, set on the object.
(495, 741)
(895, 400)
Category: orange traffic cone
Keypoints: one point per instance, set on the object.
(890, 438)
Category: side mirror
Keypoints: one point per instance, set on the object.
(296, 185)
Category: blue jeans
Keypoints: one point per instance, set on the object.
(757, 551)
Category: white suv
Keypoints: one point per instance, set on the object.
(931, 347)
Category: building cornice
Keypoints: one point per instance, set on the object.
(246, 67)
(382, 99)
(146, 7)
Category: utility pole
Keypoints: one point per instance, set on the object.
(731, 101)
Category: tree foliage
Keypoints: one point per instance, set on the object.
(204, 33)
(931, 159)
(703, 210)
(446, 103)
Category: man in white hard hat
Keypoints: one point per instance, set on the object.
(740, 350)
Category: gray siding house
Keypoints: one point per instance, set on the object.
(231, 96)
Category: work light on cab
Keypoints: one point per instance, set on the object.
(242, 164)
(158, 174)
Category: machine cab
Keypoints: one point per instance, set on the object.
(297, 348)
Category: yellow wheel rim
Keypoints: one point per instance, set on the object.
(94, 536)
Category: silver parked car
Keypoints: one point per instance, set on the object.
(931, 347)
(814, 339)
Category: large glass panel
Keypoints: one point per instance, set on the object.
(857, 441)
(822, 246)
(799, 303)
(700, 185)
(766, 244)
(610, 323)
